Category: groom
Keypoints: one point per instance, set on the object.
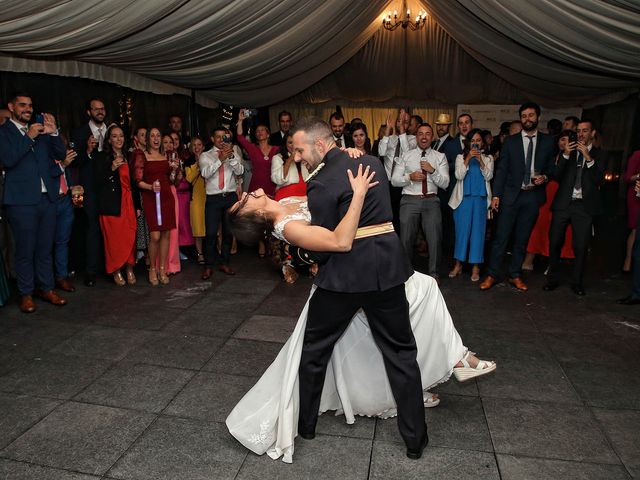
(371, 276)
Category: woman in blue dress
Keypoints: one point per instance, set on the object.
(470, 202)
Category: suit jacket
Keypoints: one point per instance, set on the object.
(275, 139)
(447, 145)
(510, 169)
(83, 166)
(451, 149)
(25, 162)
(565, 172)
(374, 264)
(348, 141)
(108, 187)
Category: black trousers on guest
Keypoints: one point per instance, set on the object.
(215, 212)
(581, 223)
(388, 315)
(519, 219)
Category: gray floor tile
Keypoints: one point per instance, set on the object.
(590, 349)
(239, 285)
(324, 457)
(140, 387)
(389, 460)
(492, 319)
(103, 342)
(58, 376)
(19, 413)
(93, 437)
(176, 448)
(31, 340)
(278, 306)
(458, 422)
(137, 316)
(210, 396)
(528, 379)
(453, 387)
(243, 357)
(490, 344)
(549, 430)
(523, 468)
(331, 424)
(12, 470)
(623, 429)
(605, 386)
(200, 322)
(266, 328)
(179, 350)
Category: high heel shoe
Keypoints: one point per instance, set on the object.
(153, 277)
(467, 372)
(131, 278)
(475, 274)
(164, 278)
(118, 278)
(200, 258)
(457, 270)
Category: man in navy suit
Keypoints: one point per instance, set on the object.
(526, 160)
(28, 153)
(88, 139)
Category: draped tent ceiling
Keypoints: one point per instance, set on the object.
(262, 52)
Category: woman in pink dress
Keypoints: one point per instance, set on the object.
(631, 174)
(173, 260)
(183, 189)
(260, 154)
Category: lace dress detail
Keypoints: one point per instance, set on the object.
(302, 213)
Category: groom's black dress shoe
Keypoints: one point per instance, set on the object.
(628, 301)
(416, 453)
(307, 434)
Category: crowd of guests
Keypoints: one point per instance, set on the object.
(162, 196)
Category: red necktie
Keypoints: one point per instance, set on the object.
(64, 188)
(221, 177)
(425, 190)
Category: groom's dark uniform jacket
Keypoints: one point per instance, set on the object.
(374, 263)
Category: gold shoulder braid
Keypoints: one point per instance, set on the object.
(315, 172)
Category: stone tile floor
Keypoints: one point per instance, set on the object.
(135, 383)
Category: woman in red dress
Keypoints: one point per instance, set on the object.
(539, 239)
(153, 175)
(260, 154)
(632, 173)
(116, 207)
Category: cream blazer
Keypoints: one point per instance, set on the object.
(461, 172)
(277, 173)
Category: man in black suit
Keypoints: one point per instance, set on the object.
(336, 120)
(580, 171)
(371, 276)
(175, 126)
(526, 160)
(29, 148)
(634, 297)
(284, 121)
(87, 139)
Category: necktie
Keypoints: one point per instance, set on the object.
(100, 139)
(425, 190)
(528, 160)
(395, 155)
(24, 130)
(339, 142)
(64, 188)
(221, 177)
(578, 184)
(436, 145)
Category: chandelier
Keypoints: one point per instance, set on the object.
(392, 21)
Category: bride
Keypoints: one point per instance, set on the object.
(265, 420)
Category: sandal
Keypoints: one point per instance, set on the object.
(163, 277)
(289, 273)
(467, 372)
(200, 258)
(475, 273)
(430, 399)
(153, 277)
(131, 278)
(457, 270)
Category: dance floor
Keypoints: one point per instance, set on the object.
(136, 382)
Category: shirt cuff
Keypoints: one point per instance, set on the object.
(590, 164)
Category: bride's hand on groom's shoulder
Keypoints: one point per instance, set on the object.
(352, 152)
(362, 181)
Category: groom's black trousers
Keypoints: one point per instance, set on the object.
(328, 317)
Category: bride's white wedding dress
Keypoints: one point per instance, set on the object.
(266, 419)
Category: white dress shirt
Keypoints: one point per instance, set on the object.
(388, 146)
(23, 130)
(577, 193)
(277, 172)
(525, 145)
(99, 132)
(341, 138)
(210, 163)
(409, 162)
